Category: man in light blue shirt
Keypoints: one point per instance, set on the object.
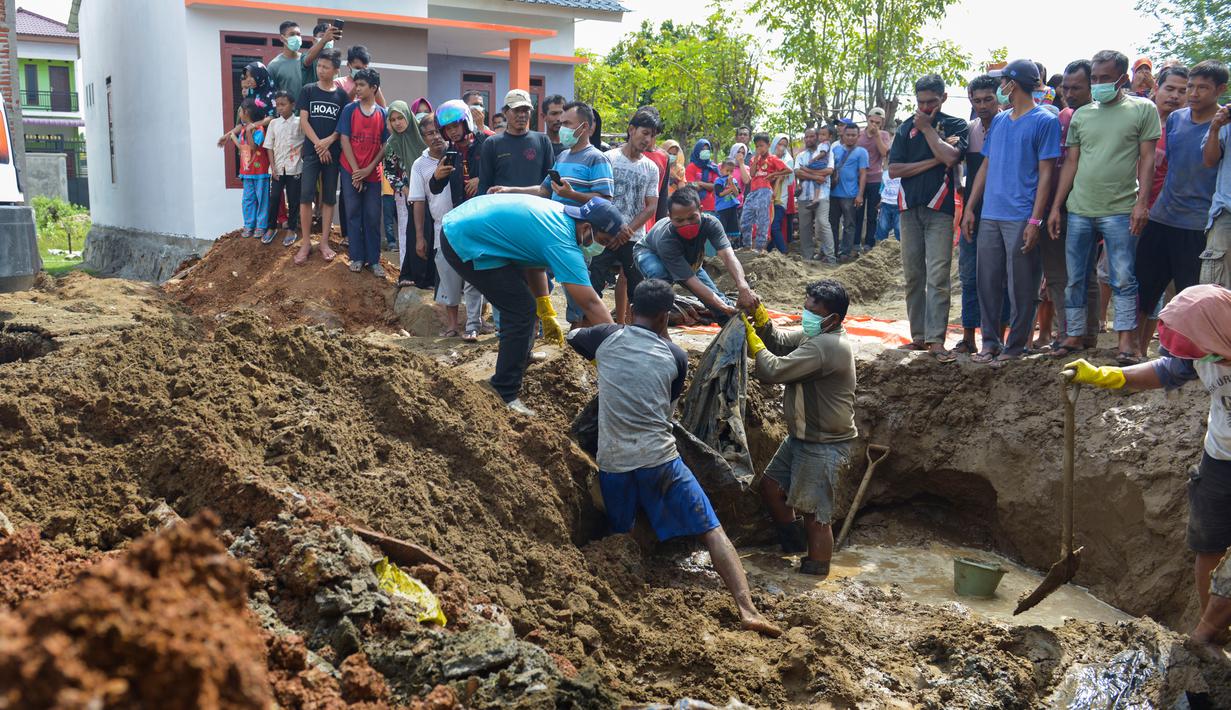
(1216, 259)
(850, 168)
(814, 165)
(503, 243)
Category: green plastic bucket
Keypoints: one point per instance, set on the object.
(974, 578)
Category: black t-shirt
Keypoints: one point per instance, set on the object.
(934, 188)
(682, 257)
(515, 161)
(324, 109)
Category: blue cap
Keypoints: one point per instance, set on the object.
(599, 213)
(1023, 71)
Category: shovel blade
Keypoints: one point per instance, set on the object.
(1060, 574)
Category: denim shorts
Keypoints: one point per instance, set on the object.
(808, 471)
(668, 493)
(1209, 505)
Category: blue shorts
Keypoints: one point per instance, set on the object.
(808, 471)
(669, 494)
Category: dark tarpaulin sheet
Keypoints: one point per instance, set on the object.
(717, 398)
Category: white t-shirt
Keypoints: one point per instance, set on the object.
(420, 175)
(1216, 378)
(634, 182)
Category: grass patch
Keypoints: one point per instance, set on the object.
(62, 228)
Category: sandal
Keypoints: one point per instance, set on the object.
(943, 356)
(470, 337)
(1063, 350)
(356, 266)
(913, 347)
(964, 347)
(405, 284)
(1124, 359)
(449, 333)
(984, 357)
(290, 239)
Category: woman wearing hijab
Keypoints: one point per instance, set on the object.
(1195, 333)
(420, 107)
(701, 173)
(404, 146)
(784, 196)
(676, 161)
(256, 85)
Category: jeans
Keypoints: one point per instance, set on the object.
(256, 201)
(1055, 271)
(1000, 259)
(363, 217)
(847, 242)
(814, 230)
(388, 213)
(927, 257)
(777, 237)
(506, 289)
(967, 269)
(652, 268)
(888, 219)
(288, 184)
(755, 217)
(867, 215)
(1121, 248)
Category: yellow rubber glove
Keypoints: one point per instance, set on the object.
(1111, 378)
(552, 332)
(760, 316)
(755, 344)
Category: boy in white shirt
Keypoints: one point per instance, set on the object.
(889, 216)
(283, 140)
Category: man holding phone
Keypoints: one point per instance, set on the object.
(503, 244)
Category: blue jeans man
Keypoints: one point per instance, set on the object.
(1080, 250)
(888, 219)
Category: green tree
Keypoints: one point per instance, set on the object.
(853, 56)
(705, 79)
(1189, 30)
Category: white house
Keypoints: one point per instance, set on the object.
(160, 83)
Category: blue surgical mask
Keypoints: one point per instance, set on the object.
(568, 137)
(294, 42)
(1103, 93)
(1001, 97)
(813, 324)
(704, 155)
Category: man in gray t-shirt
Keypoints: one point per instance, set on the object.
(640, 375)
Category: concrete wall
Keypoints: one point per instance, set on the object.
(398, 53)
(444, 79)
(8, 83)
(47, 175)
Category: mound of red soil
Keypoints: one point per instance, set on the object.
(30, 567)
(240, 273)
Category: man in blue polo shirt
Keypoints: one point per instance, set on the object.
(1015, 177)
(502, 243)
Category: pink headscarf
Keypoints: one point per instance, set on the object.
(1203, 315)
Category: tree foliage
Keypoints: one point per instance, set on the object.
(846, 57)
(705, 79)
(1189, 30)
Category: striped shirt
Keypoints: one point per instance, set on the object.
(586, 170)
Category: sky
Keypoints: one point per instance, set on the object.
(979, 26)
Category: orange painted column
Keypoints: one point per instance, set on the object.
(519, 64)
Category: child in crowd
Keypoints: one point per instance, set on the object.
(889, 217)
(766, 170)
(284, 141)
(319, 105)
(726, 207)
(364, 131)
(253, 168)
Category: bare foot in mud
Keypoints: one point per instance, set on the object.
(301, 256)
(326, 253)
(760, 625)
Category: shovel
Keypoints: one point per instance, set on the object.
(881, 452)
(1061, 573)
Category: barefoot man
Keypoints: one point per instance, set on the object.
(640, 375)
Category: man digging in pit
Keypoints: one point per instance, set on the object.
(640, 375)
(1194, 331)
(817, 367)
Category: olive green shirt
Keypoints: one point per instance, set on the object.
(1109, 136)
(818, 373)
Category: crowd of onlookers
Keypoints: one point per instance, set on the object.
(1053, 229)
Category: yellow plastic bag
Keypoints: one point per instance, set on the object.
(394, 581)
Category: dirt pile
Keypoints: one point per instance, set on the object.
(30, 567)
(238, 273)
(779, 279)
(985, 444)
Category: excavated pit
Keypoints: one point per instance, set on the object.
(24, 342)
(296, 435)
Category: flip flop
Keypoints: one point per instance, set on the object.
(290, 239)
(943, 356)
(913, 347)
(449, 333)
(1124, 359)
(470, 337)
(964, 348)
(1066, 350)
(984, 358)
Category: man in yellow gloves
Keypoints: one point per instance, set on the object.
(817, 367)
(502, 244)
(1195, 332)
